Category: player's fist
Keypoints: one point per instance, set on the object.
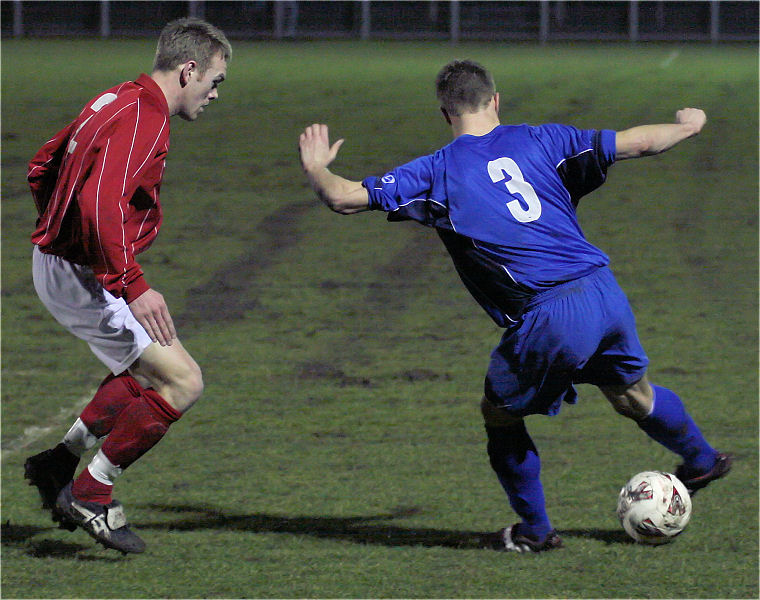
(692, 117)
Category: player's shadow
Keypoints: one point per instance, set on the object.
(360, 530)
(27, 539)
(372, 530)
(608, 536)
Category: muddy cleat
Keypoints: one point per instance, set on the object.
(695, 482)
(49, 472)
(106, 523)
(508, 540)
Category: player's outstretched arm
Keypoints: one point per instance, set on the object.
(340, 194)
(646, 140)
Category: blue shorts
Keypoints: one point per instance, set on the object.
(582, 331)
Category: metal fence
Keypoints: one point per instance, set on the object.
(542, 20)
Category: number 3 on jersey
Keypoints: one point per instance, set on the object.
(505, 166)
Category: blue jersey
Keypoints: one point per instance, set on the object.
(504, 205)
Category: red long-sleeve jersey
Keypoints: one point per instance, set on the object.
(96, 184)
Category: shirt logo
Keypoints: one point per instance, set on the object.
(389, 178)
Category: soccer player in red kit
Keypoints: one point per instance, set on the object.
(96, 187)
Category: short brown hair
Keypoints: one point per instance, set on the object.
(190, 39)
(464, 86)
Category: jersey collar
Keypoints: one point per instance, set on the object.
(152, 87)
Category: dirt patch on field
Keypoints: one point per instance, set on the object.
(315, 370)
(415, 375)
(228, 295)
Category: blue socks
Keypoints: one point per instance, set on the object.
(670, 425)
(515, 460)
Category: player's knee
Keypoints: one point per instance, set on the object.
(193, 385)
(185, 387)
(624, 407)
(511, 448)
(494, 416)
(633, 401)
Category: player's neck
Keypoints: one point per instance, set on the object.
(477, 123)
(474, 124)
(168, 82)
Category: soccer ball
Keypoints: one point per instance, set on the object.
(654, 507)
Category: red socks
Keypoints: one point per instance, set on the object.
(113, 396)
(88, 489)
(139, 427)
(134, 423)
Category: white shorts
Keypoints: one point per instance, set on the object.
(84, 307)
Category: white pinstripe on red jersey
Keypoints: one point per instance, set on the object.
(105, 168)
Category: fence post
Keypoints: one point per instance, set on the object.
(366, 24)
(279, 20)
(633, 21)
(714, 21)
(543, 29)
(105, 19)
(18, 19)
(433, 12)
(454, 23)
(196, 8)
(660, 16)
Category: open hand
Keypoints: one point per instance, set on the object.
(315, 149)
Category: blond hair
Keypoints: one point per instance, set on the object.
(190, 39)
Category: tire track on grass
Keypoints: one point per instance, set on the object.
(226, 295)
(230, 293)
(392, 287)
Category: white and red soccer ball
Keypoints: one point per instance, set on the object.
(654, 507)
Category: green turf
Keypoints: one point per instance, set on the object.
(338, 449)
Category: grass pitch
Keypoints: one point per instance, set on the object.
(338, 450)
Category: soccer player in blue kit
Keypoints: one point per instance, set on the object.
(503, 200)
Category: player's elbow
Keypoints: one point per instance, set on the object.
(636, 145)
(644, 145)
(347, 199)
(342, 206)
(335, 203)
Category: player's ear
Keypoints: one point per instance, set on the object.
(496, 102)
(446, 115)
(186, 72)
